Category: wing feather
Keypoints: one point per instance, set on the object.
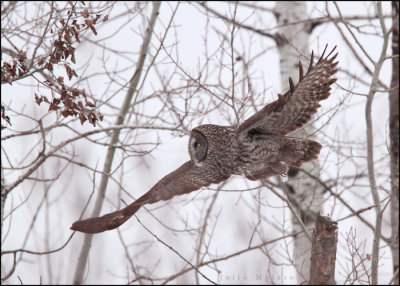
(293, 109)
(187, 178)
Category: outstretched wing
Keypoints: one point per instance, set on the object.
(187, 178)
(293, 109)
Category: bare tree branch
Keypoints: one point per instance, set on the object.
(370, 149)
(81, 265)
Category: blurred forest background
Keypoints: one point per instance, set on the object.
(98, 100)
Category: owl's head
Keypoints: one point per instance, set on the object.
(212, 145)
(198, 147)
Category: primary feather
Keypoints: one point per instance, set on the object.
(293, 109)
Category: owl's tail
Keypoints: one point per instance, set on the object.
(297, 151)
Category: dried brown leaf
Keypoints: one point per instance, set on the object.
(88, 103)
(82, 118)
(85, 13)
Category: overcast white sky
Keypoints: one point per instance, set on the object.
(108, 262)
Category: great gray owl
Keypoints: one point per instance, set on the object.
(257, 148)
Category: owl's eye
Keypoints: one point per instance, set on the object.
(198, 146)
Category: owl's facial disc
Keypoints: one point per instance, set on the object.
(198, 147)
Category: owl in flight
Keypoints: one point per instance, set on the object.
(257, 148)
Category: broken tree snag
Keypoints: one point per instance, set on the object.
(323, 251)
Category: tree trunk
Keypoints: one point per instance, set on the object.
(323, 252)
(394, 142)
(302, 190)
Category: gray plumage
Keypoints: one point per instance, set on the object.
(258, 148)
